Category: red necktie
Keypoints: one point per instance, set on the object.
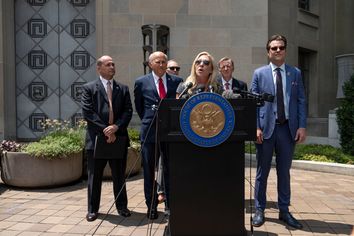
(227, 86)
(109, 95)
(280, 97)
(162, 91)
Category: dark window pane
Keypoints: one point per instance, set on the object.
(304, 4)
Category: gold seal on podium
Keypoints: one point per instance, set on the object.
(207, 119)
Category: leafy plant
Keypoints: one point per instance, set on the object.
(317, 152)
(326, 153)
(61, 140)
(134, 138)
(345, 117)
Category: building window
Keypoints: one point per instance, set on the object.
(155, 38)
(307, 65)
(304, 4)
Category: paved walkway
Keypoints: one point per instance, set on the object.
(324, 204)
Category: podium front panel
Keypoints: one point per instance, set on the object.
(206, 189)
(206, 183)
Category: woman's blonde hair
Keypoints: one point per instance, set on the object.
(212, 77)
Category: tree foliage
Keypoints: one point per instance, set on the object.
(345, 117)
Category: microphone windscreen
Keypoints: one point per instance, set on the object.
(189, 85)
(228, 94)
(200, 88)
(237, 90)
(211, 88)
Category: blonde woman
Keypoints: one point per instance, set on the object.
(202, 77)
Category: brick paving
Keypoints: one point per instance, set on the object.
(322, 202)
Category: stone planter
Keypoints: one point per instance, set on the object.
(21, 170)
(133, 164)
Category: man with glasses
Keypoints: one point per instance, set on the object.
(280, 125)
(226, 68)
(173, 67)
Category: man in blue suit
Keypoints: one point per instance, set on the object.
(149, 90)
(280, 125)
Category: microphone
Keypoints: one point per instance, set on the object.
(268, 97)
(229, 94)
(264, 96)
(188, 86)
(200, 88)
(211, 88)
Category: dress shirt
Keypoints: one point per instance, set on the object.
(104, 82)
(224, 82)
(156, 79)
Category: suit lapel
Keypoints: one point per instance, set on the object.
(269, 76)
(169, 85)
(235, 83)
(115, 90)
(151, 82)
(101, 90)
(290, 79)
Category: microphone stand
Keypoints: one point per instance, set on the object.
(188, 86)
(250, 182)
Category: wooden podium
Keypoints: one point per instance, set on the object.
(206, 184)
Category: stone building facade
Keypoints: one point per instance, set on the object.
(48, 48)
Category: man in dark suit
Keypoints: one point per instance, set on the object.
(149, 90)
(107, 108)
(280, 125)
(226, 68)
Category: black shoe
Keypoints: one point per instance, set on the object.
(124, 212)
(258, 218)
(152, 214)
(290, 220)
(91, 216)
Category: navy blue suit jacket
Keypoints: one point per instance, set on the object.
(95, 109)
(262, 82)
(147, 101)
(235, 83)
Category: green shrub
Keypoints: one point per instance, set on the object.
(60, 141)
(326, 153)
(134, 138)
(133, 135)
(317, 152)
(345, 117)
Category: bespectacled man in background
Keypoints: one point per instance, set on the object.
(172, 67)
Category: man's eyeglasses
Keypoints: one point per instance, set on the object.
(281, 48)
(175, 68)
(205, 62)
